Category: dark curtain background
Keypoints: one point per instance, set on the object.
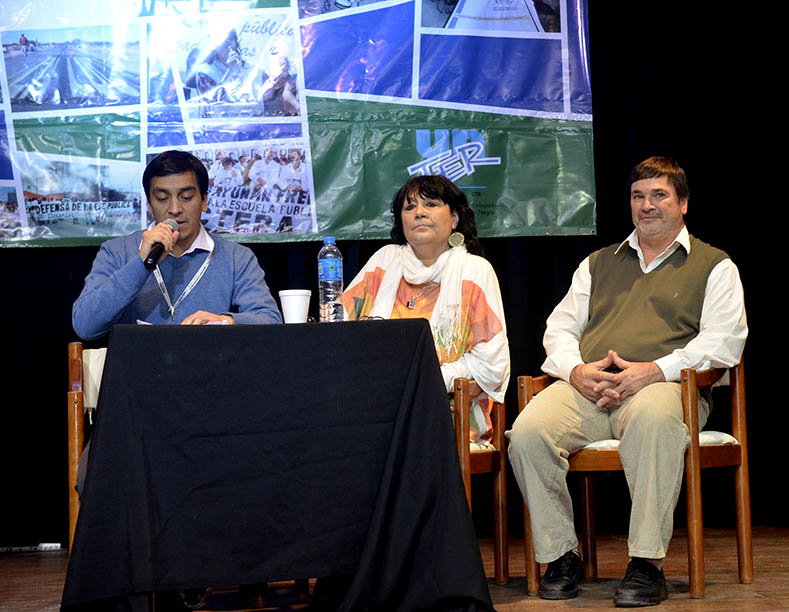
(678, 79)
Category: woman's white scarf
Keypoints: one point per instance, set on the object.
(401, 262)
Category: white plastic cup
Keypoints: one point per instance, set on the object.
(295, 304)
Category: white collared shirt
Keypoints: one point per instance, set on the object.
(722, 329)
(682, 240)
(202, 241)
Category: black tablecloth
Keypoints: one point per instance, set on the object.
(244, 454)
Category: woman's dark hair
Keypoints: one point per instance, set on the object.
(175, 162)
(440, 188)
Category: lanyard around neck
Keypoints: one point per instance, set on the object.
(195, 279)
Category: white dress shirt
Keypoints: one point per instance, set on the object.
(267, 170)
(228, 178)
(722, 328)
(291, 176)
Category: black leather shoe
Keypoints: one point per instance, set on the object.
(643, 585)
(562, 577)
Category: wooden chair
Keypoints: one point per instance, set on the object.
(493, 461)
(84, 379)
(587, 461)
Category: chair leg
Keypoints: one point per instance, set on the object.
(693, 486)
(500, 545)
(695, 526)
(744, 541)
(462, 403)
(76, 439)
(695, 554)
(588, 532)
(741, 477)
(695, 547)
(532, 567)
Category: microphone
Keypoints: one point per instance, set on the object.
(155, 254)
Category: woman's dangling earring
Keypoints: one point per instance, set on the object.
(456, 239)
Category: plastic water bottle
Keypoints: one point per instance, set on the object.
(330, 281)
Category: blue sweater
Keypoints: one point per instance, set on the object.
(120, 290)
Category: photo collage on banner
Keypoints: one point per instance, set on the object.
(308, 114)
(84, 107)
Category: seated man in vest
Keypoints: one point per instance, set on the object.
(198, 279)
(636, 314)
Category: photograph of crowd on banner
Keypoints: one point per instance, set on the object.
(10, 225)
(226, 66)
(55, 69)
(257, 188)
(78, 199)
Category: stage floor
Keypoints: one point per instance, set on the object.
(33, 582)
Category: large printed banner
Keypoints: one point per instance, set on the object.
(308, 114)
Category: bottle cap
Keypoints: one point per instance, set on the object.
(328, 240)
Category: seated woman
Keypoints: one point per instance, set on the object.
(435, 271)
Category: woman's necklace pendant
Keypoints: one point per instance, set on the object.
(411, 303)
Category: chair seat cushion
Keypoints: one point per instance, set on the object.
(706, 438)
(476, 447)
(602, 445)
(710, 438)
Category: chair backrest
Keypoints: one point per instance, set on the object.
(737, 383)
(85, 367)
(76, 430)
(529, 386)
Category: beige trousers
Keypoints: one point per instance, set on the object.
(560, 421)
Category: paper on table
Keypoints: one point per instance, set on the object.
(223, 322)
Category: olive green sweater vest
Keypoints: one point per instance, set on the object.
(645, 316)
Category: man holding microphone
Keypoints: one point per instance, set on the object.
(174, 272)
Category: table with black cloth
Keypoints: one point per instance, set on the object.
(228, 455)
